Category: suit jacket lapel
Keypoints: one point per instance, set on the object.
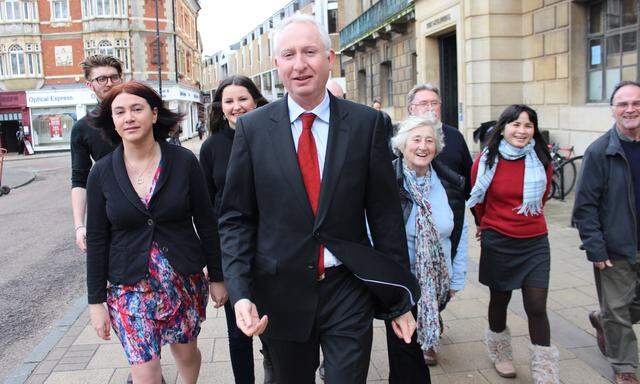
(337, 145)
(122, 178)
(284, 151)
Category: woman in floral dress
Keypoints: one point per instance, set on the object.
(149, 236)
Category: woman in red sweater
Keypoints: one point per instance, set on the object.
(511, 181)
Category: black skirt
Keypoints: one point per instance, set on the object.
(508, 263)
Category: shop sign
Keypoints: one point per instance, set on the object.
(12, 100)
(440, 21)
(56, 98)
(179, 93)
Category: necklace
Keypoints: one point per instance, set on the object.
(140, 178)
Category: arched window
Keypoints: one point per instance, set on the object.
(105, 48)
(16, 59)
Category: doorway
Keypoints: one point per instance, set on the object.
(8, 130)
(449, 78)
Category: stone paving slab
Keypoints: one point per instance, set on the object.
(77, 355)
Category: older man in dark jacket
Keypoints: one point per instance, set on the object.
(606, 213)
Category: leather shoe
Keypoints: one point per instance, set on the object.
(431, 357)
(594, 319)
(626, 378)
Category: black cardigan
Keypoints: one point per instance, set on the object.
(214, 158)
(120, 229)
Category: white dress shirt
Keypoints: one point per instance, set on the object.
(320, 131)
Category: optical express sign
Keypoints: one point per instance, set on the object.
(36, 99)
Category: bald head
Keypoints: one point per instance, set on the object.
(335, 88)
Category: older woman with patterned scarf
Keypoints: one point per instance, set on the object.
(511, 180)
(439, 265)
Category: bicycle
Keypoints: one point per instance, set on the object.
(565, 170)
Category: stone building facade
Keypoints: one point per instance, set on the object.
(253, 55)
(562, 57)
(377, 42)
(43, 42)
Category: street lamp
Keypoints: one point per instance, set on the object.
(158, 56)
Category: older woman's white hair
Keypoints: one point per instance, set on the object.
(399, 140)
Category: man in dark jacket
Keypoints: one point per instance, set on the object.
(101, 73)
(606, 213)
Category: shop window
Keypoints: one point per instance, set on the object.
(60, 10)
(52, 126)
(613, 49)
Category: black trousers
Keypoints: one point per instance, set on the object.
(406, 362)
(240, 349)
(344, 330)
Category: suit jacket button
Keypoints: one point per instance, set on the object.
(316, 234)
(310, 266)
(165, 249)
(150, 222)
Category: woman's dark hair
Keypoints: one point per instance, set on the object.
(101, 118)
(216, 117)
(511, 114)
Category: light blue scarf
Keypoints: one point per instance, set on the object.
(535, 177)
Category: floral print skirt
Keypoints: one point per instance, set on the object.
(164, 308)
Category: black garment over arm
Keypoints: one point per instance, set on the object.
(86, 143)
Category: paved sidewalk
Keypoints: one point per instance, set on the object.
(72, 354)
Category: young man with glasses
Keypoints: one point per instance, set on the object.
(606, 212)
(101, 74)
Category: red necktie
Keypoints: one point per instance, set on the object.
(308, 162)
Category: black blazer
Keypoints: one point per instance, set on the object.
(120, 229)
(270, 237)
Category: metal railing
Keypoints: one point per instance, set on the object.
(377, 15)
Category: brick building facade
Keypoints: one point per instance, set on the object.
(43, 42)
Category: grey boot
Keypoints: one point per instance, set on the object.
(544, 364)
(500, 352)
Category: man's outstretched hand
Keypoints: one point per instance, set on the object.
(248, 320)
(404, 326)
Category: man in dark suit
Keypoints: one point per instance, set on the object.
(302, 173)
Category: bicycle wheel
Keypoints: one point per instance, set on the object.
(554, 192)
(570, 169)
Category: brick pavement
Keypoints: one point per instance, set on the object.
(76, 356)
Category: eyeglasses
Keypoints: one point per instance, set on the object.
(102, 80)
(624, 106)
(425, 104)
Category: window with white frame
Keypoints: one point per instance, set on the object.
(119, 49)
(18, 10)
(612, 46)
(17, 61)
(104, 8)
(60, 10)
(105, 48)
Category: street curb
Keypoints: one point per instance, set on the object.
(37, 157)
(21, 374)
